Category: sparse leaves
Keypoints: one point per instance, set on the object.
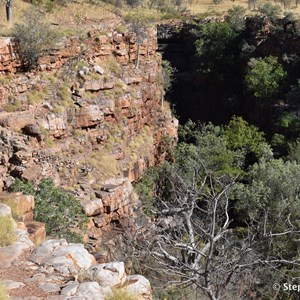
(168, 74)
(35, 38)
(216, 231)
(272, 11)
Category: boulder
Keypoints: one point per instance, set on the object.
(98, 69)
(89, 116)
(65, 258)
(93, 207)
(21, 205)
(23, 157)
(4, 210)
(70, 289)
(109, 274)
(10, 253)
(91, 291)
(36, 232)
(32, 173)
(138, 286)
(11, 284)
(97, 85)
(50, 287)
(33, 130)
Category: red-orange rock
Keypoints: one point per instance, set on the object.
(36, 231)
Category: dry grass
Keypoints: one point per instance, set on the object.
(73, 19)
(206, 7)
(3, 292)
(121, 294)
(14, 105)
(141, 145)
(35, 97)
(78, 17)
(105, 164)
(7, 231)
(64, 94)
(13, 204)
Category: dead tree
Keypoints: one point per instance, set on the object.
(8, 10)
(194, 244)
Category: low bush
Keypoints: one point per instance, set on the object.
(35, 38)
(273, 12)
(55, 207)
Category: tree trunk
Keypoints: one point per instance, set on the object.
(251, 4)
(8, 10)
(138, 57)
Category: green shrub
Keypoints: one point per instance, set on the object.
(264, 76)
(7, 232)
(273, 12)
(236, 18)
(55, 207)
(168, 74)
(214, 47)
(242, 136)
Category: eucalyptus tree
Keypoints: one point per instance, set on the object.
(226, 233)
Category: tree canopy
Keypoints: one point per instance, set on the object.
(264, 76)
(222, 228)
(214, 45)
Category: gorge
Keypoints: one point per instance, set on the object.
(80, 133)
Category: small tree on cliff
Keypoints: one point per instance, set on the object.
(35, 38)
(8, 10)
(138, 23)
(214, 47)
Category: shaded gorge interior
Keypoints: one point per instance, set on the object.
(212, 87)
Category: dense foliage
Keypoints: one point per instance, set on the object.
(264, 76)
(248, 66)
(224, 225)
(59, 210)
(214, 46)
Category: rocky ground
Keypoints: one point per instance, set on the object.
(56, 269)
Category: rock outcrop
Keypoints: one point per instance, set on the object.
(21, 208)
(59, 270)
(88, 119)
(10, 253)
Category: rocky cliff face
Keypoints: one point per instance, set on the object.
(88, 118)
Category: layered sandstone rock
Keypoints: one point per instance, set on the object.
(93, 124)
(21, 207)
